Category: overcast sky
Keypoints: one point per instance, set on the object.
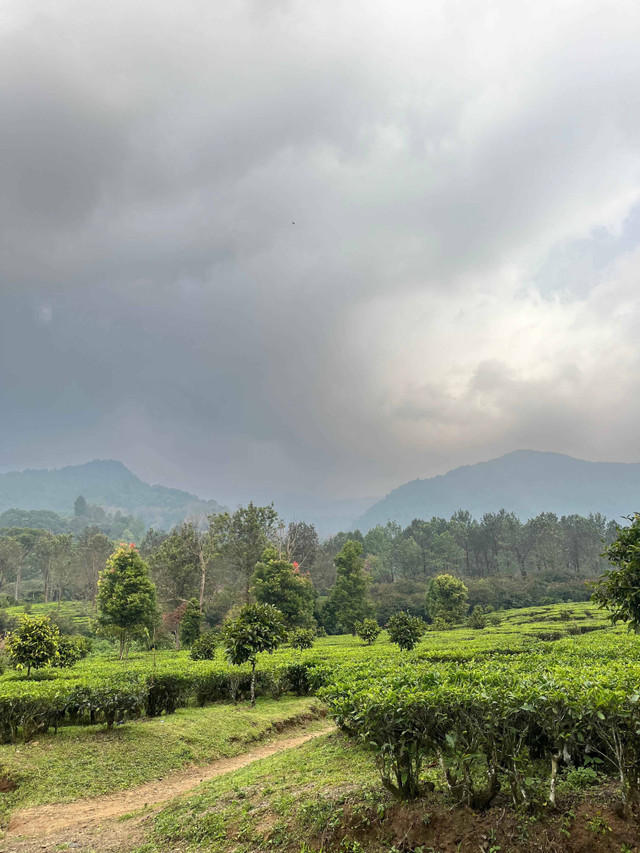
(272, 247)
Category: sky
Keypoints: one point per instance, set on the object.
(301, 251)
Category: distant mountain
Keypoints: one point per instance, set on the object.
(106, 483)
(526, 482)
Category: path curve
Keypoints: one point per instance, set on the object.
(51, 818)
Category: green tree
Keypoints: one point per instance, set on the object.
(80, 506)
(619, 589)
(279, 582)
(405, 630)
(180, 563)
(349, 602)
(258, 628)
(368, 631)
(204, 647)
(94, 548)
(126, 597)
(302, 638)
(242, 536)
(191, 623)
(447, 598)
(33, 644)
(11, 558)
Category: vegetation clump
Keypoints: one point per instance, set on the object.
(33, 644)
(204, 647)
(126, 597)
(368, 630)
(447, 598)
(405, 630)
(302, 638)
(257, 628)
(619, 589)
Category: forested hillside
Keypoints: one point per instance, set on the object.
(105, 483)
(526, 482)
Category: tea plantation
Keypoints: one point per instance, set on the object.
(500, 716)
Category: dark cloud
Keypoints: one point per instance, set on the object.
(276, 248)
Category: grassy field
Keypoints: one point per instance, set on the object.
(82, 761)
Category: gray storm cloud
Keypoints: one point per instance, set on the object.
(263, 248)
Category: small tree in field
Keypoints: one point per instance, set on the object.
(191, 623)
(33, 644)
(368, 631)
(302, 638)
(126, 597)
(619, 589)
(405, 630)
(447, 598)
(204, 646)
(258, 628)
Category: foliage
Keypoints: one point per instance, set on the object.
(82, 761)
(302, 638)
(242, 536)
(477, 619)
(71, 650)
(191, 624)
(349, 602)
(619, 589)
(368, 631)
(126, 597)
(278, 582)
(405, 630)
(204, 647)
(447, 598)
(33, 644)
(257, 628)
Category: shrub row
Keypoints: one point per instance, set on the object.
(492, 724)
(28, 707)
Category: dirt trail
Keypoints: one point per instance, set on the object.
(52, 818)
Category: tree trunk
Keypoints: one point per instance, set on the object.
(253, 683)
(122, 640)
(18, 580)
(203, 577)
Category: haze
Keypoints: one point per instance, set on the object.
(290, 250)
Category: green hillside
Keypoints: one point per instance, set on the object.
(106, 483)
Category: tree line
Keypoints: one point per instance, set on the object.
(219, 562)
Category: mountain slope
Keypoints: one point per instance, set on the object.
(526, 482)
(103, 482)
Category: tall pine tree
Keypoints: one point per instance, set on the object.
(349, 601)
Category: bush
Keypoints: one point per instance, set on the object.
(405, 630)
(191, 624)
(368, 631)
(302, 638)
(33, 644)
(71, 650)
(477, 619)
(447, 598)
(204, 648)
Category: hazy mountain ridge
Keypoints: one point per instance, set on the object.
(526, 482)
(106, 483)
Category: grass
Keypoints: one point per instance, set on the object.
(326, 797)
(274, 803)
(77, 614)
(83, 761)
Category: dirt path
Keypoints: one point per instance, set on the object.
(84, 814)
